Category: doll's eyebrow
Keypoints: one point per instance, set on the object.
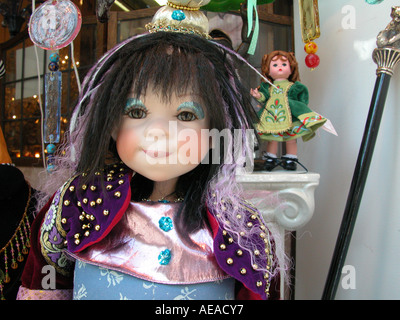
(133, 102)
(192, 106)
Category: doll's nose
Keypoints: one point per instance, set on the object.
(157, 129)
(155, 134)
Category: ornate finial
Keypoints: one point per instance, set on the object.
(387, 55)
(181, 16)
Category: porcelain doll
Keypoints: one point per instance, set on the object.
(285, 115)
(148, 213)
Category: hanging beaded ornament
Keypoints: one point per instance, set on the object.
(52, 26)
(15, 249)
(310, 30)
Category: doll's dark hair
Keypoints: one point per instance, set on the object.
(171, 63)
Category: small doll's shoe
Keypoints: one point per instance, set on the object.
(270, 163)
(289, 163)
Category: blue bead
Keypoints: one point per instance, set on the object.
(165, 224)
(51, 148)
(163, 201)
(50, 168)
(53, 66)
(373, 1)
(54, 57)
(178, 15)
(164, 257)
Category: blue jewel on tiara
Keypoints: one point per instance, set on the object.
(165, 224)
(178, 15)
(373, 1)
(164, 257)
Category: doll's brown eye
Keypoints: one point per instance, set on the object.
(186, 116)
(137, 113)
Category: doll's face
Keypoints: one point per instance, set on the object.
(160, 139)
(279, 69)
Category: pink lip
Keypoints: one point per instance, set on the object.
(156, 153)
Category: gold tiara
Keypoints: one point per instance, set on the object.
(177, 16)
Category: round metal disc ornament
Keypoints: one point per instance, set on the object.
(55, 24)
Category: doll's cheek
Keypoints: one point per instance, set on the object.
(127, 143)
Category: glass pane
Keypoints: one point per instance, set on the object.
(86, 54)
(64, 127)
(12, 107)
(30, 89)
(31, 61)
(74, 91)
(65, 59)
(31, 108)
(31, 139)
(12, 136)
(12, 62)
(69, 93)
(130, 28)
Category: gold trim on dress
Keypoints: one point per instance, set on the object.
(23, 232)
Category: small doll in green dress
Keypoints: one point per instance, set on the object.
(284, 115)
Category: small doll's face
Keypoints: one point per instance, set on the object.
(160, 139)
(279, 69)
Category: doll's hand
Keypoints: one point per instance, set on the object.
(255, 93)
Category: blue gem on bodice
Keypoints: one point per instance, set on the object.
(165, 224)
(164, 257)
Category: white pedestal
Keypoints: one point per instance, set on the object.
(281, 197)
(285, 199)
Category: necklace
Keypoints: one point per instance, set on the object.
(164, 200)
